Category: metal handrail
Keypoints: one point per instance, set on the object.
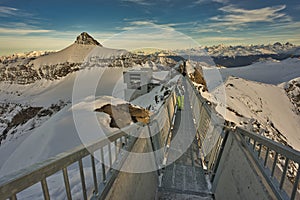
(255, 144)
(12, 184)
(292, 154)
(16, 182)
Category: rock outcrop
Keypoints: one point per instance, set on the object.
(198, 78)
(85, 39)
(123, 115)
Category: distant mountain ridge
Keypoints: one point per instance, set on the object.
(236, 56)
(27, 68)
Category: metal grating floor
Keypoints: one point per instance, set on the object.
(184, 179)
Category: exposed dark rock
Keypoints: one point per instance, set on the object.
(123, 115)
(21, 118)
(86, 39)
(24, 115)
(198, 78)
(235, 112)
(293, 92)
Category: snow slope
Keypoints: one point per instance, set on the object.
(46, 92)
(76, 53)
(265, 72)
(262, 108)
(59, 134)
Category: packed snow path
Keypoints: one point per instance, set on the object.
(185, 178)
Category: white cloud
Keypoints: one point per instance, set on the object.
(153, 23)
(239, 16)
(132, 25)
(139, 2)
(20, 28)
(22, 31)
(7, 11)
(143, 23)
(199, 2)
(15, 12)
(221, 1)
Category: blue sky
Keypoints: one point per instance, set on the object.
(37, 25)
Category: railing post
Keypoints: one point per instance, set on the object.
(109, 153)
(295, 187)
(274, 164)
(67, 183)
(94, 173)
(226, 133)
(284, 172)
(13, 197)
(82, 179)
(45, 189)
(103, 166)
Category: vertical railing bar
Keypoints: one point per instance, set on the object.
(103, 166)
(295, 187)
(284, 172)
(67, 183)
(45, 189)
(82, 179)
(94, 173)
(259, 150)
(249, 140)
(274, 164)
(254, 145)
(121, 144)
(13, 197)
(266, 157)
(116, 149)
(109, 155)
(126, 140)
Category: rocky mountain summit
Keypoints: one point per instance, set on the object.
(85, 39)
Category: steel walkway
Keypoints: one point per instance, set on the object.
(184, 178)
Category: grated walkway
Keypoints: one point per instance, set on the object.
(184, 178)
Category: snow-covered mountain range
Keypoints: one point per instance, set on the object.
(36, 91)
(236, 56)
(36, 97)
(232, 51)
(36, 88)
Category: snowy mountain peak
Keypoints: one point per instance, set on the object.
(86, 39)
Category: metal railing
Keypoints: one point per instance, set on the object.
(11, 185)
(279, 164)
(209, 127)
(117, 146)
